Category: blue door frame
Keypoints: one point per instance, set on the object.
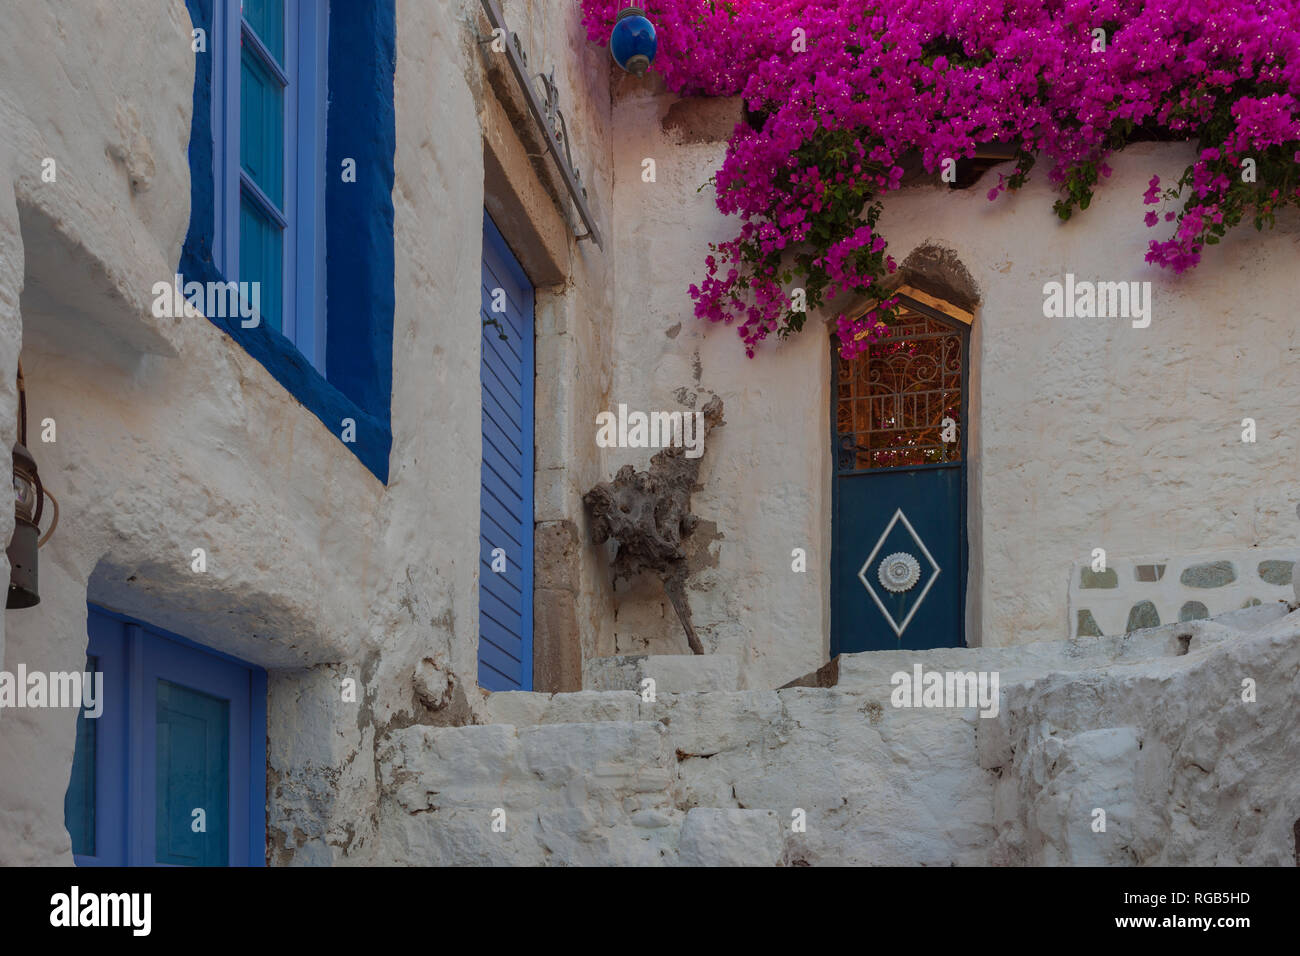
(917, 511)
(134, 657)
(505, 646)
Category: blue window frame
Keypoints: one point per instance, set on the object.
(270, 202)
(183, 729)
(269, 112)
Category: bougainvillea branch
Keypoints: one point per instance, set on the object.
(844, 95)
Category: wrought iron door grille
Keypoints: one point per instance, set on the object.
(892, 400)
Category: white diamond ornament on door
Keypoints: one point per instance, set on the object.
(898, 574)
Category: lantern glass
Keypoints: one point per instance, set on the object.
(24, 495)
(633, 43)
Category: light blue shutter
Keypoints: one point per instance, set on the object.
(505, 647)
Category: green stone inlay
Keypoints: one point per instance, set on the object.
(1087, 625)
(1213, 574)
(1276, 572)
(1149, 572)
(1193, 611)
(1253, 602)
(1144, 614)
(1089, 578)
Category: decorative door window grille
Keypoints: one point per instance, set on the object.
(892, 400)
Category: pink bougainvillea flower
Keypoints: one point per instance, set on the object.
(845, 98)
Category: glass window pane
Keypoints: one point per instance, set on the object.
(79, 801)
(261, 127)
(261, 259)
(266, 17)
(193, 773)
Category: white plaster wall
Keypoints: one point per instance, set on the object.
(1092, 433)
(1085, 433)
(764, 477)
(170, 437)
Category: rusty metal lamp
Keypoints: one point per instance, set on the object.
(29, 504)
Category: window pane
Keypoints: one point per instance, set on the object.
(79, 801)
(261, 258)
(193, 773)
(261, 127)
(266, 17)
(892, 403)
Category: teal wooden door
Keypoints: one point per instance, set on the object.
(172, 770)
(898, 531)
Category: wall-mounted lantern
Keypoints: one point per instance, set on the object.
(29, 503)
(633, 43)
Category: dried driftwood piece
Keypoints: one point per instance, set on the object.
(649, 514)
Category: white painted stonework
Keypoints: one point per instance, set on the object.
(1083, 434)
(1178, 589)
(670, 673)
(1151, 728)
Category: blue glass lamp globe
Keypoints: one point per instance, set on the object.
(633, 43)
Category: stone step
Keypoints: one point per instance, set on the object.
(720, 837)
(838, 775)
(524, 708)
(601, 792)
(876, 783)
(871, 671)
(672, 673)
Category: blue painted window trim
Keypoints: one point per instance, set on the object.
(356, 242)
(301, 214)
(132, 655)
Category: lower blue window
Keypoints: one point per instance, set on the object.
(173, 771)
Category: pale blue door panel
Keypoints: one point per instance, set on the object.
(185, 768)
(192, 777)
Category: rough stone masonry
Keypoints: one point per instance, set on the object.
(1186, 736)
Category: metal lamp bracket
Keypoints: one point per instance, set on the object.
(546, 113)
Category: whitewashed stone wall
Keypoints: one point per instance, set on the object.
(1084, 433)
(170, 437)
(1152, 728)
(1135, 593)
(765, 479)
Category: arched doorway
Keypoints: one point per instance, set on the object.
(898, 528)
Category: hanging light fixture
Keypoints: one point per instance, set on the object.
(633, 43)
(29, 504)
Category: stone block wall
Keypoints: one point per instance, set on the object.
(1186, 736)
(1133, 593)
